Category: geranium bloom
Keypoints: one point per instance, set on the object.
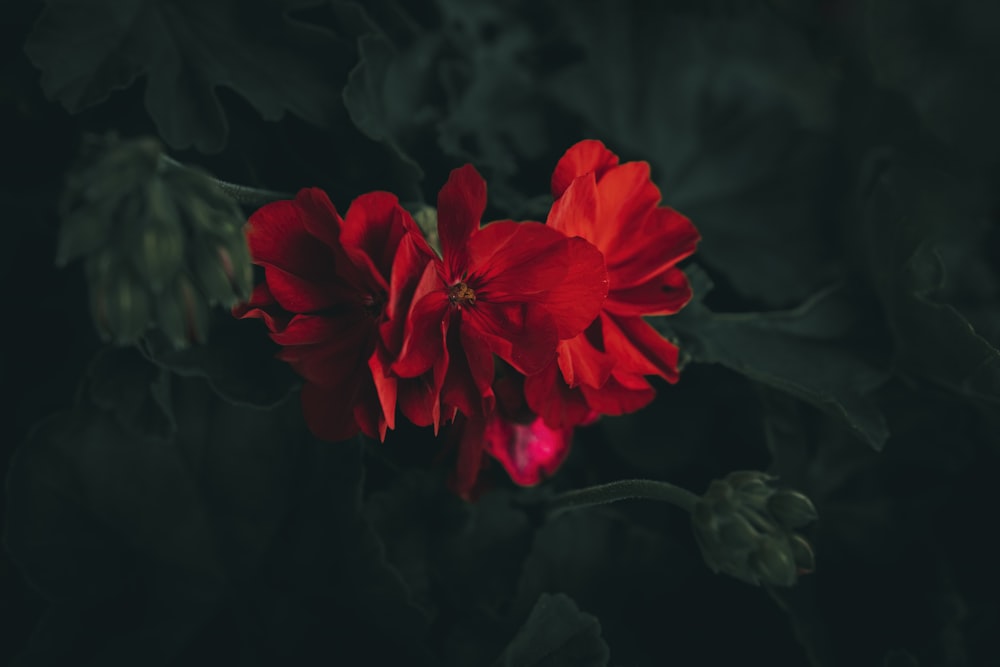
(616, 207)
(325, 299)
(510, 289)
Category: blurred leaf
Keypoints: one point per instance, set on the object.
(387, 93)
(135, 391)
(942, 56)
(796, 351)
(612, 566)
(908, 212)
(93, 514)
(493, 117)
(556, 634)
(186, 49)
(732, 112)
(237, 360)
(239, 513)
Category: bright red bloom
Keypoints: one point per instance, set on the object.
(326, 300)
(510, 289)
(616, 207)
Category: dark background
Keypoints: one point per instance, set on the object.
(840, 161)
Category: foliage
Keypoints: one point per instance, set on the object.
(166, 505)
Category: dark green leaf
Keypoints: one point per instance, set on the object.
(386, 93)
(942, 57)
(556, 634)
(732, 113)
(911, 211)
(186, 49)
(134, 390)
(237, 360)
(796, 351)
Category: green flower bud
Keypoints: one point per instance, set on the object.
(182, 313)
(740, 533)
(792, 509)
(155, 225)
(805, 560)
(426, 219)
(118, 301)
(773, 561)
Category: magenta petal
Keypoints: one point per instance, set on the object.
(529, 452)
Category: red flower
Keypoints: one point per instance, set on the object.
(510, 289)
(326, 300)
(616, 207)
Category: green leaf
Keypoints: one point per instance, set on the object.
(134, 390)
(612, 565)
(386, 94)
(943, 59)
(186, 50)
(796, 351)
(556, 634)
(733, 114)
(911, 211)
(237, 360)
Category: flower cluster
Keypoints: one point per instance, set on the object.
(515, 331)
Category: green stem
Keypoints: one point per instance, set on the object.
(243, 194)
(626, 489)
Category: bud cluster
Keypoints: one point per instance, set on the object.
(162, 243)
(746, 528)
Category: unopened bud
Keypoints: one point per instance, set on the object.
(805, 559)
(141, 218)
(791, 508)
(183, 313)
(773, 562)
(118, 301)
(426, 219)
(745, 528)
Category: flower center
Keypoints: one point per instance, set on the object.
(460, 295)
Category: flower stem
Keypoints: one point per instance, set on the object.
(243, 194)
(626, 489)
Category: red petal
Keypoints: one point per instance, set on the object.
(470, 456)
(529, 452)
(305, 295)
(423, 341)
(549, 397)
(583, 157)
(319, 216)
(515, 261)
(522, 334)
(583, 359)
(620, 395)
(337, 361)
(575, 301)
(664, 296)
(468, 384)
(418, 401)
(639, 348)
(648, 247)
(329, 413)
(461, 203)
(625, 195)
(386, 385)
(409, 265)
(368, 412)
(262, 305)
(277, 236)
(371, 235)
(575, 212)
